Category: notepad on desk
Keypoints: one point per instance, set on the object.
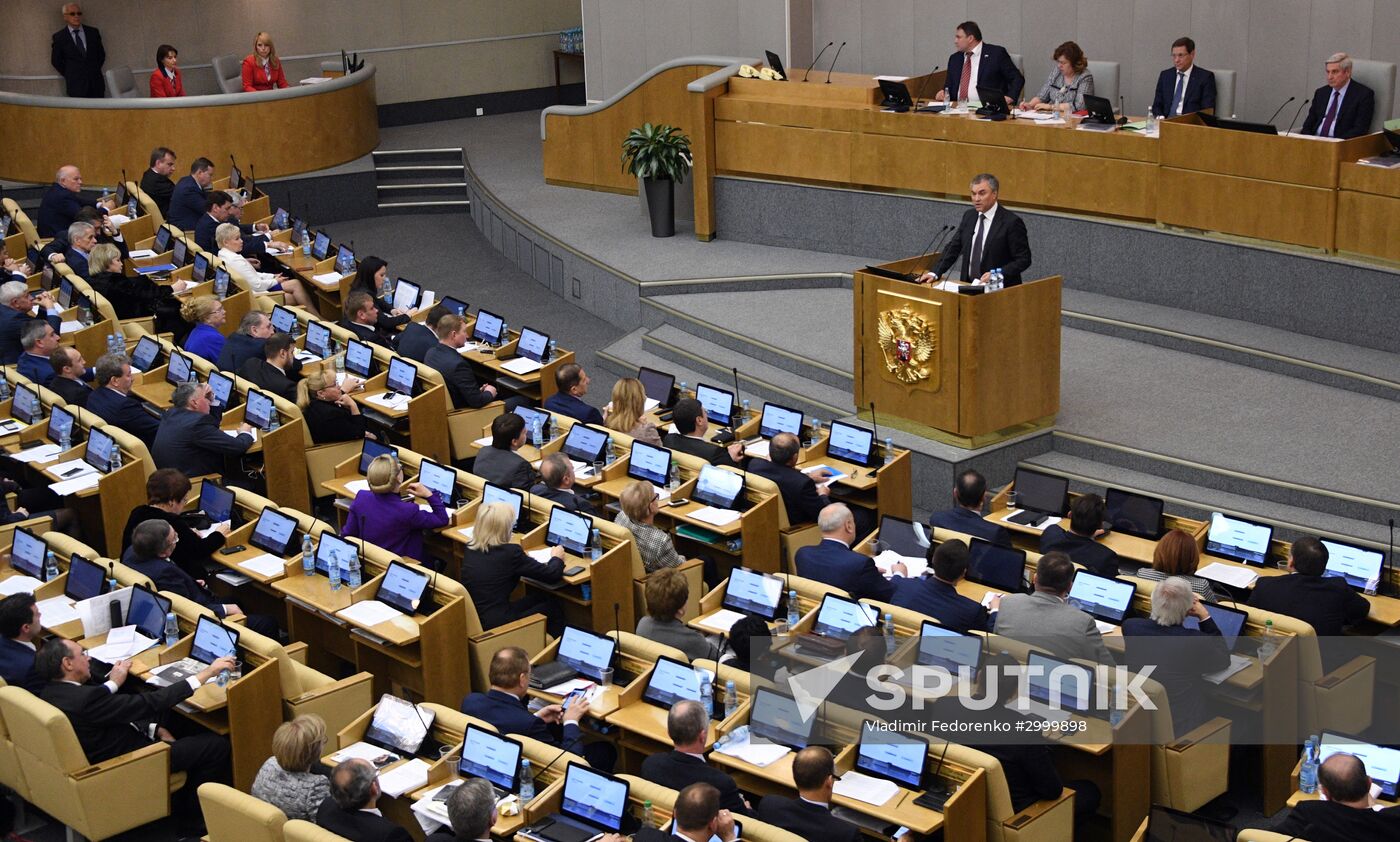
(715, 517)
(1239, 577)
(76, 485)
(70, 326)
(265, 565)
(723, 619)
(871, 790)
(755, 754)
(521, 365)
(369, 612)
(327, 279)
(404, 778)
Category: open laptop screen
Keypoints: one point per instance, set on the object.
(321, 246)
(85, 578)
(147, 612)
(1041, 492)
(215, 501)
(649, 463)
(532, 344)
(753, 593)
(718, 487)
(283, 320)
(491, 756)
(1229, 620)
(1104, 599)
(401, 377)
(996, 566)
(851, 444)
(1134, 514)
(488, 327)
(839, 617)
(1360, 567)
(568, 530)
(656, 384)
(891, 755)
(495, 494)
(25, 405)
(584, 652)
(944, 647)
(27, 553)
(212, 641)
(584, 443)
(1238, 539)
(672, 681)
(274, 531)
(60, 424)
(406, 294)
(1070, 685)
(438, 478)
(718, 404)
(144, 356)
(904, 536)
(318, 339)
(779, 419)
(403, 588)
(222, 386)
(179, 369)
(359, 358)
(775, 718)
(99, 450)
(593, 797)
(1382, 763)
(371, 450)
(260, 410)
(332, 548)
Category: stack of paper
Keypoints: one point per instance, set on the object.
(1239, 577)
(875, 791)
(71, 468)
(266, 565)
(57, 610)
(887, 559)
(70, 326)
(722, 619)
(1237, 663)
(757, 449)
(76, 485)
(404, 778)
(369, 612)
(364, 751)
(124, 642)
(543, 555)
(521, 365)
(20, 584)
(756, 754)
(715, 517)
(328, 279)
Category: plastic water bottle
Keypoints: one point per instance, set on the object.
(334, 569)
(50, 566)
(308, 557)
(682, 390)
(731, 698)
(352, 571)
(1268, 644)
(85, 316)
(527, 782)
(504, 336)
(305, 244)
(536, 431)
(1307, 772)
(608, 456)
(889, 633)
(889, 450)
(673, 477)
(707, 694)
(220, 285)
(133, 208)
(65, 440)
(106, 195)
(794, 612)
(648, 815)
(743, 411)
(115, 463)
(172, 629)
(550, 350)
(273, 421)
(595, 544)
(4, 389)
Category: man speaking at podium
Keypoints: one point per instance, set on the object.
(989, 237)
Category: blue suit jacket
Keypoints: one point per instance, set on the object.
(416, 340)
(238, 349)
(1200, 92)
(12, 324)
(831, 562)
(36, 368)
(970, 523)
(58, 209)
(168, 576)
(566, 404)
(204, 232)
(17, 666)
(996, 70)
(77, 262)
(187, 204)
(508, 714)
(194, 443)
(125, 411)
(942, 602)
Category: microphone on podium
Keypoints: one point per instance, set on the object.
(1298, 114)
(806, 76)
(1270, 121)
(833, 62)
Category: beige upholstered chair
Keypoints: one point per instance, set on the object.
(234, 816)
(297, 830)
(1043, 821)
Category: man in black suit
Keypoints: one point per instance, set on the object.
(156, 183)
(966, 515)
(686, 725)
(351, 810)
(16, 302)
(189, 438)
(78, 56)
(247, 342)
(691, 425)
(471, 808)
(1346, 815)
(498, 462)
(699, 818)
(990, 67)
(216, 211)
(362, 319)
(417, 338)
(446, 357)
(1184, 88)
(802, 497)
(1326, 603)
(187, 201)
(833, 562)
(113, 402)
(274, 372)
(69, 368)
(61, 202)
(1343, 107)
(109, 723)
(809, 816)
(557, 484)
(988, 237)
(1086, 518)
(20, 632)
(937, 594)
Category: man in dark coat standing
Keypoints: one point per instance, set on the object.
(78, 55)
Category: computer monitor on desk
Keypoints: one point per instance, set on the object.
(1236, 125)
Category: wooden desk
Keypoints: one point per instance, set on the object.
(1366, 211)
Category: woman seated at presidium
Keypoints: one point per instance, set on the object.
(1068, 84)
(262, 70)
(165, 79)
(492, 567)
(229, 239)
(382, 517)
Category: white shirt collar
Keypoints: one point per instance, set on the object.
(990, 215)
(25, 643)
(820, 804)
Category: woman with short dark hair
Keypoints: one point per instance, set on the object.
(1069, 82)
(165, 79)
(166, 492)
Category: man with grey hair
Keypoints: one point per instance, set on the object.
(1178, 654)
(687, 726)
(38, 340)
(989, 237)
(352, 809)
(77, 54)
(471, 808)
(16, 304)
(834, 562)
(82, 236)
(557, 484)
(246, 343)
(113, 402)
(190, 439)
(1343, 107)
(61, 203)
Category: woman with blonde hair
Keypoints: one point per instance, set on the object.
(229, 239)
(331, 414)
(262, 70)
(1178, 555)
(380, 516)
(207, 315)
(640, 502)
(492, 567)
(293, 779)
(624, 414)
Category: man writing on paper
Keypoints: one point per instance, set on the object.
(989, 237)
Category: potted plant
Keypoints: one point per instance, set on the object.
(659, 156)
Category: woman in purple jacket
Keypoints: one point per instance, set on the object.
(383, 518)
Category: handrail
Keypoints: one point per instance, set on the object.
(719, 77)
(729, 64)
(201, 101)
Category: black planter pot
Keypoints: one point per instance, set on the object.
(661, 206)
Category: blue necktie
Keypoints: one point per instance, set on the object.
(1178, 94)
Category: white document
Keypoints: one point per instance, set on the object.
(569, 686)
(835, 474)
(122, 635)
(357, 485)
(542, 555)
(758, 449)
(95, 614)
(723, 619)
(650, 404)
(265, 565)
(467, 531)
(887, 559)
(75, 486)
(10, 425)
(364, 751)
(113, 652)
(403, 778)
(1237, 663)
(67, 326)
(71, 469)
(42, 453)
(233, 579)
(1104, 628)
(233, 434)
(427, 299)
(19, 584)
(140, 254)
(57, 610)
(1239, 577)
(756, 754)
(204, 533)
(307, 357)
(891, 78)
(484, 441)
(715, 517)
(388, 401)
(431, 814)
(865, 788)
(316, 80)
(369, 612)
(331, 279)
(521, 365)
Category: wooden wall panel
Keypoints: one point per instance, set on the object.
(1266, 210)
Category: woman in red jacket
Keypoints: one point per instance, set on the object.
(262, 71)
(165, 79)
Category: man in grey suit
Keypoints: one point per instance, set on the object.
(498, 462)
(1046, 620)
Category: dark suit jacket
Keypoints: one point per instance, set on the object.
(810, 821)
(1328, 821)
(940, 601)
(159, 188)
(17, 666)
(187, 204)
(505, 468)
(1353, 115)
(329, 423)
(508, 714)
(1086, 551)
(167, 576)
(678, 770)
(373, 334)
(12, 324)
(238, 349)
(457, 374)
(81, 71)
(192, 553)
(709, 451)
(1326, 603)
(799, 491)
(267, 377)
(490, 576)
(564, 497)
(415, 340)
(126, 412)
(574, 408)
(1006, 246)
(102, 720)
(73, 392)
(358, 825)
(1179, 664)
(971, 523)
(194, 443)
(204, 232)
(35, 367)
(996, 70)
(1200, 92)
(831, 562)
(57, 210)
(77, 262)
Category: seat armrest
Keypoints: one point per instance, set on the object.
(120, 761)
(1038, 809)
(296, 651)
(1346, 671)
(534, 622)
(1200, 734)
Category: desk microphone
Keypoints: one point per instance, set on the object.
(927, 249)
(1389, 561)
(1122, 112)
(1280, 109)
(1298, 113)
(924, 85)
(833, 62)
(805, 76)
(252, 181)
(876, 430)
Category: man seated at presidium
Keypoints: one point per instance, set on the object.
(1184, 88)
(987, 66)
(1343, 107)
(988, 237)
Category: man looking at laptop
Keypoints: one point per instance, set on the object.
(699, 818)
(352, 809)
(687, 725)
(809, 816)
(966, 515)
(1046, 618)
(1344, 813)
(937, 595)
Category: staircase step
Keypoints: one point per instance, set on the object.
(442, 206)
(406, 157)
(422, 168)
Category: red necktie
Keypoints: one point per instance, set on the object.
(966, 77)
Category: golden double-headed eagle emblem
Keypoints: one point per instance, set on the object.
(910, 344)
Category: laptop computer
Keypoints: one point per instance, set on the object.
(147, 611)
(775, 63)
(585, 444)
(839, 617)
(402, 377)
(274, 532)
(439, 478)
(492, 493)
(25, 405)
(180, 369)
(948, 648)
(1100, 117)
(753, 593)
(406, 294)
(359, 358)
(99, 449)
(212, 640)
(568, 530)
(718, 404)
(851, 444)
(658, 386)
(405, 588)
(1056, 687)
(401, 728)
(1230, 621)
(1108, 601)
(905, 537)
(1382, 762)
(1357, 566)
(333, 548)
(779, 419)
(648, 463)
(719, 488)
(27, 553)
(674, 681)
(146, 354)
(893, 755)
(1134, 514)
(86, 579)
(594, 803)
(994, 105)
(1039, 496)
(1238, 539)
(580, 653)
(491, 757)
(995, 566)
(371, 450)
(487, 328)
(776, 719)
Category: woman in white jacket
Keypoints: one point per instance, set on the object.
(230, 242)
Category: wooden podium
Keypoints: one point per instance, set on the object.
(976, 369)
